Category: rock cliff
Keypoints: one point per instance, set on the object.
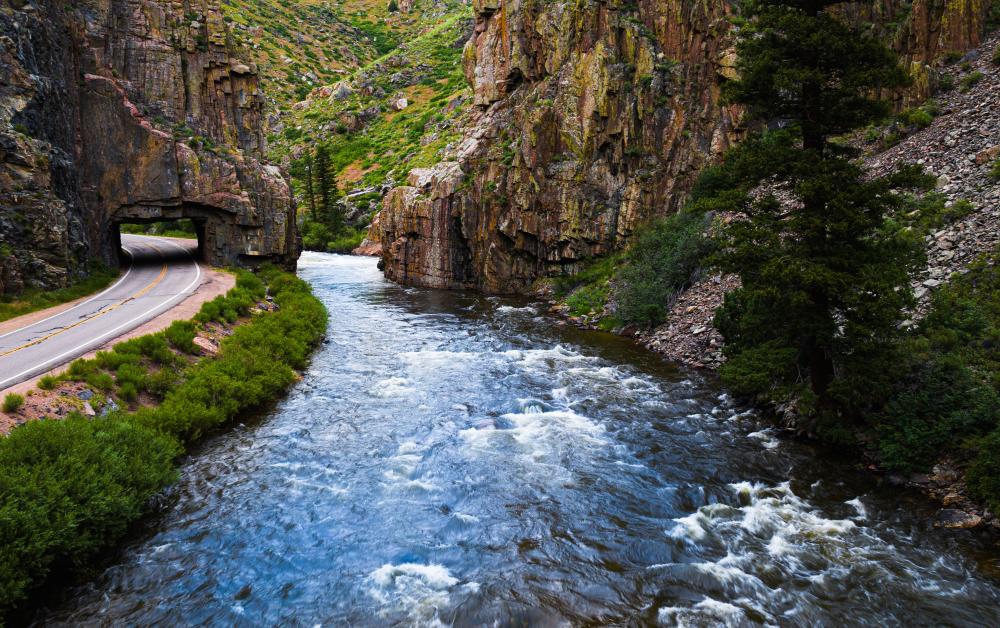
(129, 110)
(593, 117)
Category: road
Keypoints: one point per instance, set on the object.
(161, 273)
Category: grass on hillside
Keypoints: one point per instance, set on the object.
(392, 143)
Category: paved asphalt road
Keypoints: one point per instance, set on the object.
(162, 272)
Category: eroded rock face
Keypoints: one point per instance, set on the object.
(593, 117)
(124, 110)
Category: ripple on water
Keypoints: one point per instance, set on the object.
(455, 460)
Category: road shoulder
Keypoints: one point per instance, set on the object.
(214, 282)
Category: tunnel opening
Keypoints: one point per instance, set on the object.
(182, 237)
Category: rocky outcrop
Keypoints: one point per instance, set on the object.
(129, 110)
(594, 117)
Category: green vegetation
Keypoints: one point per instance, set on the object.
(70, 489)
(183, 228)
(662, 261)
(995, 170)
(35, 299)
(946, 402)
(969, 81)
(12, 402)
(825, 283)
(360, 137)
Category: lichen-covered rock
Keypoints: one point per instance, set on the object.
(592, 117)
(129, 110)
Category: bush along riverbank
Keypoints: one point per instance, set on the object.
(70, 489)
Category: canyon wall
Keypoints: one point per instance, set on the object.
(592, 117)
(128, 111)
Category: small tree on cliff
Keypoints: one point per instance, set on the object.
(824, 280)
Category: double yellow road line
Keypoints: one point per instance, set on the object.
(140, 293)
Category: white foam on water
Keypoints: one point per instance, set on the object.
(691, 527)
(541, 435)
(393, 387)
(766, 436)
(402, 468)
(547, 357)
(707, 612)
(421, 362)
(858, 506)
(418, 590)
(510, 309)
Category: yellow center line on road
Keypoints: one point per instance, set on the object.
(159, 278)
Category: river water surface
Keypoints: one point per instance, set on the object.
(462, 460)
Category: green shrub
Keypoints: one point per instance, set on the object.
(941, 401)
(587, 299)
(996, 56)
(131, 374)
(162, 381)
(984, 473)
(918, 117)
(661, 261)
(71, 488)
(128, 392)
(111, 360)
(995, 170)
(970, 80)
(101, 381)
(152, 346)
(48, 382)
(346, 241)
(80, 370)
(181, 335)
(12, 402)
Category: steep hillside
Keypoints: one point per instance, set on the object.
(590, 119)
(299, 45)
(400, 111)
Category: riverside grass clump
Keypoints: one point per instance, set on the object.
(71, 488)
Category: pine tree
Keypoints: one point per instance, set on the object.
(325, 185)
(307, 165)
(824, 279)
(798, 63)
(327, 193)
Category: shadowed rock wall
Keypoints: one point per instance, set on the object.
(593, 117)
(117, 110)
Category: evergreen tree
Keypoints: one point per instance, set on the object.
(302, 170)
(326, 190)
(825, 280)
(324, 182)
(797, 63)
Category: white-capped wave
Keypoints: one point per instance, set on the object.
(416, 589)
(393, 387)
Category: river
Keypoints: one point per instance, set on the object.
(458, 459)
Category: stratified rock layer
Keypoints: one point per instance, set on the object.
(593, 117)
(129, 110)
